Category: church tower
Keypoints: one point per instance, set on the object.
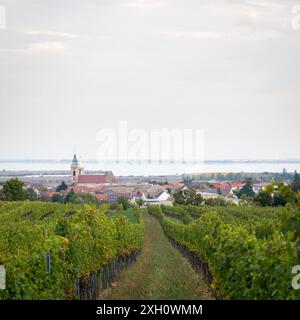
(76, 170)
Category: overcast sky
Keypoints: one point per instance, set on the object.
(69, 68)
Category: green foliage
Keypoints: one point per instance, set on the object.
(2, 195)
(296, 183)
(71, 197)
(217, 202)
(291, 224)
(13, 190)
(177, 212)
(80, 198)
(249, 251)
(79, 238)
(247, 189)
(132, 214)
(31, 195)
(58, 198)
(281, 194)
(263, 199)
(187, 196)
(63, 186)
(124, 201)
(246, 201)
(238, 176)
(140, 202)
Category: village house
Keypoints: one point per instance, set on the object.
(157, 195)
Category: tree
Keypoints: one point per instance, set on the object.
(58, 198)
(62, 187)
(188, 196)
(31, 195)
(247, 189)
(2, 195)
(217, 202)
(279, 200)
(85, 197)
(295, 186)
(245, 200)
(13, 190)
(80, 197)
(264, 199)
(280, 193)
(140, 201)
(124, 201)
(70, 196)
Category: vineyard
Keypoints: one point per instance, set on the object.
(49, 249)
(248, 252)
(72, 251)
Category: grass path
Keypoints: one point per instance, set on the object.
(160, 272)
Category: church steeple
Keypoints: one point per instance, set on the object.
(76, 170)
(75, 161)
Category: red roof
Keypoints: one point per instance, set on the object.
(101, 196)
(90, 178)
(237, 184)
(221, 186)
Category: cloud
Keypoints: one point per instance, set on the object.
(143, 4)
(42, 47)
(46, 47)
(264, 4)
(51, 33)
(241, 34)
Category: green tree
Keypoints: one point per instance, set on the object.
(281, 194)
(2, 195)
(140, 201)
(217, 202)
(85, 197)
(58, 198)
(31, 195)
(295, 186)
(247, 189)
(80, 197)
(13, 190)
(264, 199)
(188, 196)
(70, 196)
(63, 186)
(245, 200)
(124, 201)
(279, 200)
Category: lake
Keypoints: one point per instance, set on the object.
(155, 168)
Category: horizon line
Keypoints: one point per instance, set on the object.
(64, 160)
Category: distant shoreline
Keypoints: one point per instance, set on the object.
(223, 161)
(146, 168)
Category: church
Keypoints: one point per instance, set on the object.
(79, 179)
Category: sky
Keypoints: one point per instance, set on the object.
(70, 68)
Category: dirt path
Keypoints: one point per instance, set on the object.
(160, 272)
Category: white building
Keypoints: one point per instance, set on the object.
(163, 198)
